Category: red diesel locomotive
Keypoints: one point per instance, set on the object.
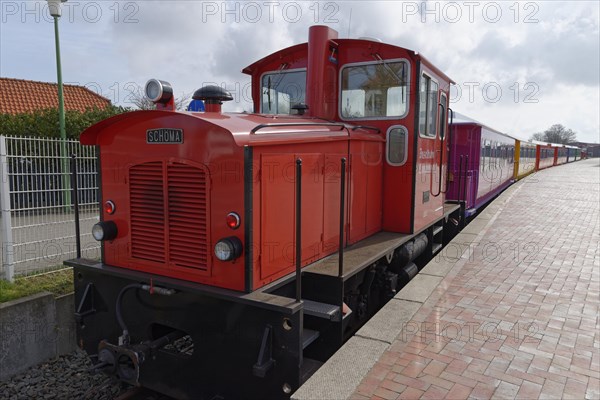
(239, 250)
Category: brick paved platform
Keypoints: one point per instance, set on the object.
(509, 310)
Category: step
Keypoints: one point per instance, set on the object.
(437, 229)
(436, 247)
(322, 310)
(308, 336)
(309, 367)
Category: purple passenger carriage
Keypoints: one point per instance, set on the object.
(481, 163)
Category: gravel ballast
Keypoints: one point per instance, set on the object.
(67, 377)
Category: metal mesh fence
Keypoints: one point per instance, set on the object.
(38, 231)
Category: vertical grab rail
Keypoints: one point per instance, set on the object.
(448, 157)
(75, 195)
(342, 209)
(298, 230)
(460, 164)
(442, 141)
(466, 174)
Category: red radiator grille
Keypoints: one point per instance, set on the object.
(146, 200)
(187, 216)
(169, 211)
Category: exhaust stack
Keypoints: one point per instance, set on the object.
(321, 81)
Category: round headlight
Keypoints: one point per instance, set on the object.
(228, 249)
(105, 230)
(158, 91)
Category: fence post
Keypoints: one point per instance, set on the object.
(8, 257)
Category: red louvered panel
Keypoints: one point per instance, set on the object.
(147, 211)
(188, 225)
(184, 217)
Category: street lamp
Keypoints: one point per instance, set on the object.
(54, 6)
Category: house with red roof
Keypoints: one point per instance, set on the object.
(18, 96)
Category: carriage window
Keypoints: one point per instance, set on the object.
(482, 155)
(428, 106)
(281, 91)
(397, 142)
(375, 90)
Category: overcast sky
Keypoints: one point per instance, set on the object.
(519, 66)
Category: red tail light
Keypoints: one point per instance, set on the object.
(109, 207)
(233, 220)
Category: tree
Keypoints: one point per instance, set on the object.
(557, 133)
(139, 100)
(538, 136)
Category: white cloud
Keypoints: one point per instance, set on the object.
(554, 45)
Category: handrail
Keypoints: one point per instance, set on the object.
(466, 175)
(342, 212)
(290, 124)
(298, 230)
(451, 111)
(460, 165)
(366, 127)
(442, 138)
(75, 198)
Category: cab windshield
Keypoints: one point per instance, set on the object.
(280, 91)
(375, 90)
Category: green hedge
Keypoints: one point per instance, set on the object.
(44, 123)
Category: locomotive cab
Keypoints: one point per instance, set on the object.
(392, 91)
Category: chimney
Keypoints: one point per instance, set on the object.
(321, 80)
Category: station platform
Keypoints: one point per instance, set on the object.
(509, 309)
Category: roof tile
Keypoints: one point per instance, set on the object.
(19, 96)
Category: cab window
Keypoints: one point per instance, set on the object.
(428, 105)
(397, 142)
(374, 91)
(280, 91)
